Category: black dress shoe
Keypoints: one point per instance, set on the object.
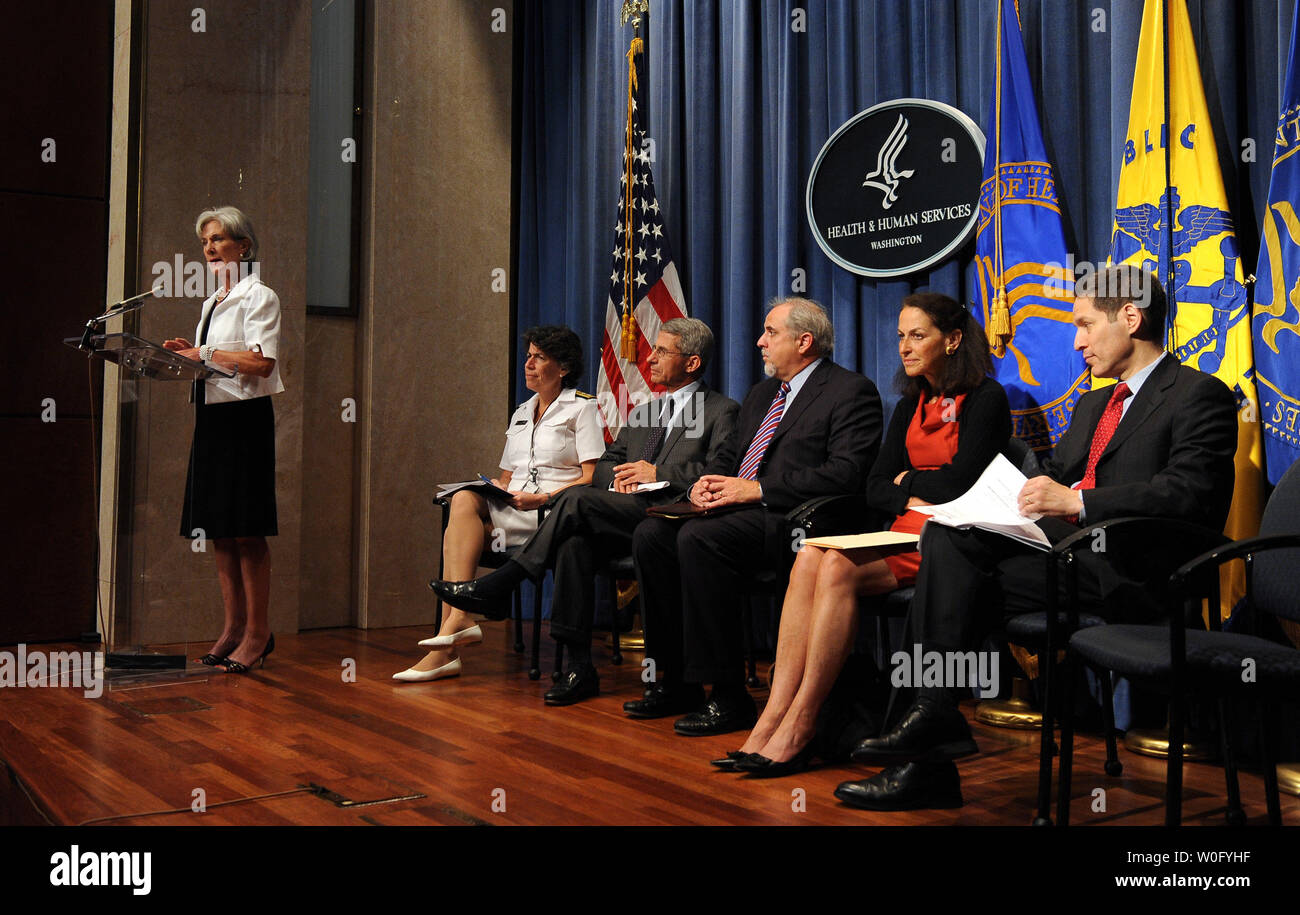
(662, 701)
(911, 786)
(927, 731)
(464, 595)
(718, 717)
(728, 762)
(759, 766)
(576, 685)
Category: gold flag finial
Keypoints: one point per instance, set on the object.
(633, 10)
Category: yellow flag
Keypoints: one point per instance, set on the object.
(1209, 327)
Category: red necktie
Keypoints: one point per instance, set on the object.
(766, 429)
(1106, 427)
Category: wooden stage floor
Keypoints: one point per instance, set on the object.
(480, 749)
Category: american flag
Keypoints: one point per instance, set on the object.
(642, 277)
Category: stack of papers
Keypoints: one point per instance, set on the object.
(991, 505)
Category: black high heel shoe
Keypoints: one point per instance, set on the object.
(212, 659)
(728, 762)
(759, 766)
(234, 667)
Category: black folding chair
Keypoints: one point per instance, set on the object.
(1187, 663)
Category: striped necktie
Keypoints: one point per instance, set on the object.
(763, 437)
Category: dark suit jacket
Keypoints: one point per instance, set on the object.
(696, 438)
(1170, 457)
(825, 444)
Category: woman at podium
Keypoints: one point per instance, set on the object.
(552, 442)
(230, 485)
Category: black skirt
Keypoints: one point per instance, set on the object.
(230, 486)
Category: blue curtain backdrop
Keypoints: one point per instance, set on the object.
(740, 101)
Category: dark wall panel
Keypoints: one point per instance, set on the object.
(54, 84)
(55, 76)
(49, 537)
(62, 286)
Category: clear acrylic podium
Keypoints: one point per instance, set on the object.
(147, 360)
(128, 662)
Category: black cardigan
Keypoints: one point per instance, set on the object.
(984, 430)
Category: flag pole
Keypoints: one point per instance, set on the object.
(999, 329)
(633, 10)
(1171, 342)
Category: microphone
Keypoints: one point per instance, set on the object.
(126, 305)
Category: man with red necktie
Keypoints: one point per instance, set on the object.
(1158, 443)
(811, 429)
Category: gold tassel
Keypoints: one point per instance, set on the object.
(627, 345)
(629, 338)
(632, 51)
(1028, 662)
(1000, 325)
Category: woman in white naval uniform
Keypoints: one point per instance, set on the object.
(552, 442)
(230, 485)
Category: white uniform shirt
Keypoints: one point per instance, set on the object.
(549, 453)
(246, 319)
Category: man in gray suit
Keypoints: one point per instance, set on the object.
(670, 439)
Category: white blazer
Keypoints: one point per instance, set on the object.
(246, 319)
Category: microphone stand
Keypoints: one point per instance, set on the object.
(126, 306)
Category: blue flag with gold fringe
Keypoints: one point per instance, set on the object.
(1025, 289)
(1277, 288)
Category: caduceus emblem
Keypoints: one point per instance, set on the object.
(885, 171)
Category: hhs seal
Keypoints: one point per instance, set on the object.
(896, 188)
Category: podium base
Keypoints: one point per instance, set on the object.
(126, 661)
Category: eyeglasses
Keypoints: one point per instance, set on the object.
(660, 351)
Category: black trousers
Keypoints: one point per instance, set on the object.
(972, 581)
(585, 529)
(693, 576)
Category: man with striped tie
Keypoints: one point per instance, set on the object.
(811, 429)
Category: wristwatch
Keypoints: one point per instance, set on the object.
(205, 352)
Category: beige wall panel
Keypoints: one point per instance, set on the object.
(434, 354)
(329, 481)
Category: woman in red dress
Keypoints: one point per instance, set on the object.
(952, 419)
